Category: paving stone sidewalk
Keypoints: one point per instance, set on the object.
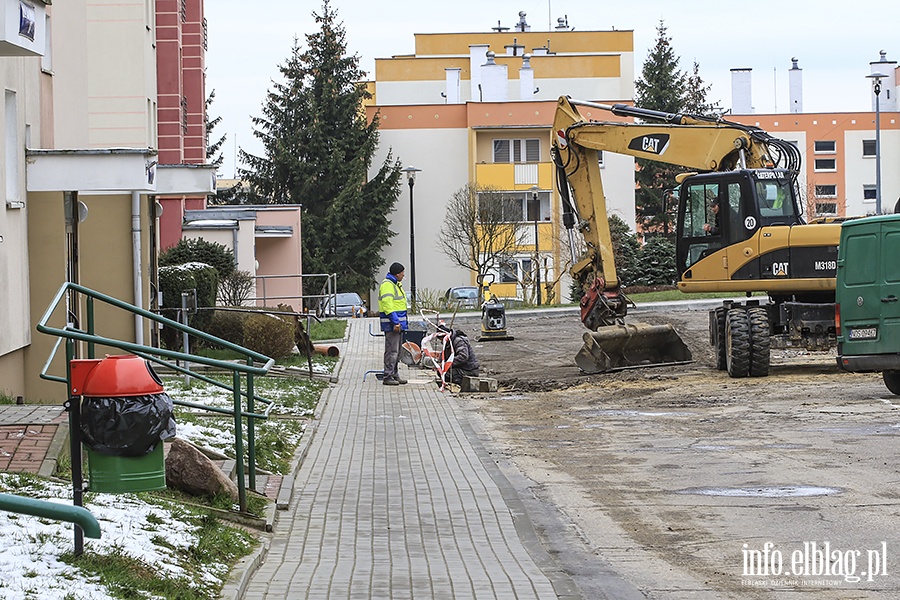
(395, 498)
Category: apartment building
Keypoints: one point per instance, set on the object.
(81, 203)
(478, 108)
(839, 149)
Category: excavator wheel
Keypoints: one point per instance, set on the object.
(737, 342)
(721, 352)
(759, 341)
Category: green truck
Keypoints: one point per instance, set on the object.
(867, 310)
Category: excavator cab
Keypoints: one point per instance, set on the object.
(747, 199)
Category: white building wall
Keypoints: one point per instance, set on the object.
(121, 40)
(617, 174)
(443, 156)
(70, 76)
(19, 78)
(859, 171)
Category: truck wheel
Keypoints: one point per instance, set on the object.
(760, 343)
(737, 342)
(721, 353)
(892, 381)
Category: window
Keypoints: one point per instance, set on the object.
(826, 191)
(868, 147)
(869, 193)
(826, 208)
(528, 150)
(509, 272)
(515, 207)
(825, 147)
(771, 196)
(699, 211)
(826, 164)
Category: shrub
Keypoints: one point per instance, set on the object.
(229, 326)
(269, 335)
(200, 250)
(174, 280)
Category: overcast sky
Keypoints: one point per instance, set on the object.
(834, 42)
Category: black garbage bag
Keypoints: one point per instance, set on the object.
(128, 426)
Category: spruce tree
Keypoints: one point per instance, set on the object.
(662, 87)
(213, 149)
(318, 147)
(696, 91)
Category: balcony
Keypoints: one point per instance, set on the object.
(515, 176)
(24, 28)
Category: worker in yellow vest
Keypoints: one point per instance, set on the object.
(392, 311)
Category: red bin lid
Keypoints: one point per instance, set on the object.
(115, 376)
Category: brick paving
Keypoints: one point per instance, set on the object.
(27, 434)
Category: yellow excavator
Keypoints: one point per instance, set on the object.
(758, 241)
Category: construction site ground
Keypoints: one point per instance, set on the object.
(691, 484)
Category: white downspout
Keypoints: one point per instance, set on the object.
(136, 255)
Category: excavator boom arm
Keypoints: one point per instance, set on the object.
(696, 142)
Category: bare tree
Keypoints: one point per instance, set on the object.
(484, 228)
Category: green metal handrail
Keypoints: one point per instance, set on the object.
(52, 510)
(72, 334)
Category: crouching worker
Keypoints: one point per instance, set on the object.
(465, 363)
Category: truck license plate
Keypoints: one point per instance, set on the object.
(864, 333)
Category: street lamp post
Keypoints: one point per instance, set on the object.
(411, 180)
(537, 251)
(876, 78)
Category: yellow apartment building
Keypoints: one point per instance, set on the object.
(478, 108)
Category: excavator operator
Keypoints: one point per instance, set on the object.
(714, 227)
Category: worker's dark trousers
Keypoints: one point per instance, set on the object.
(392, 340)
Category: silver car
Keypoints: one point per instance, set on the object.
(346, 304)
(462, 297)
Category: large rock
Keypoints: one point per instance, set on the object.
(189, 470)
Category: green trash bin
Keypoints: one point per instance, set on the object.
(121, 474)
(125, 415)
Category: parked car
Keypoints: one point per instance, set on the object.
(465, 296)
(346, 304)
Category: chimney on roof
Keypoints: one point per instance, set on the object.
(740, 92)
(476, 59)
(887, 100)
(452, 92)
(494, 81)
(795, 83)
(526, 79)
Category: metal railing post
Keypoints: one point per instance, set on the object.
(251, 432)
(239, 442)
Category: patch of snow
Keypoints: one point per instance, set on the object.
(31, 546)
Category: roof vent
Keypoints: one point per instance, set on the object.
(522, 25)
(499, 28)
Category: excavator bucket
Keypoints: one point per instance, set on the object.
(632, 345)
